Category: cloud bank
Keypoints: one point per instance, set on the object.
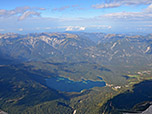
(144, 15)
(118, 3)
(75, 28)
(21, 12)
(111, 5)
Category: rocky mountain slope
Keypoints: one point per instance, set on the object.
(106, 49)
(27, 60)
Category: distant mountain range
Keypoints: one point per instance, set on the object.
(97, 47)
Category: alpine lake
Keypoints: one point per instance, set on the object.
(67, 85)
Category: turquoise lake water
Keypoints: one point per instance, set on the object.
(64, 84)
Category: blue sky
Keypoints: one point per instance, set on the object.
(110, 16)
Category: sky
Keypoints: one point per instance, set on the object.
(108, 16)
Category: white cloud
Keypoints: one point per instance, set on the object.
(82, 28)
(20, 29)
(21, 12)
(145, 14)
(124, 15)
(135, 2)
(27, 14)
(20, 9)
(47, 28)
(111, 5)
(149, 8)
(75, 28)
(118, 3)
(109, 27)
